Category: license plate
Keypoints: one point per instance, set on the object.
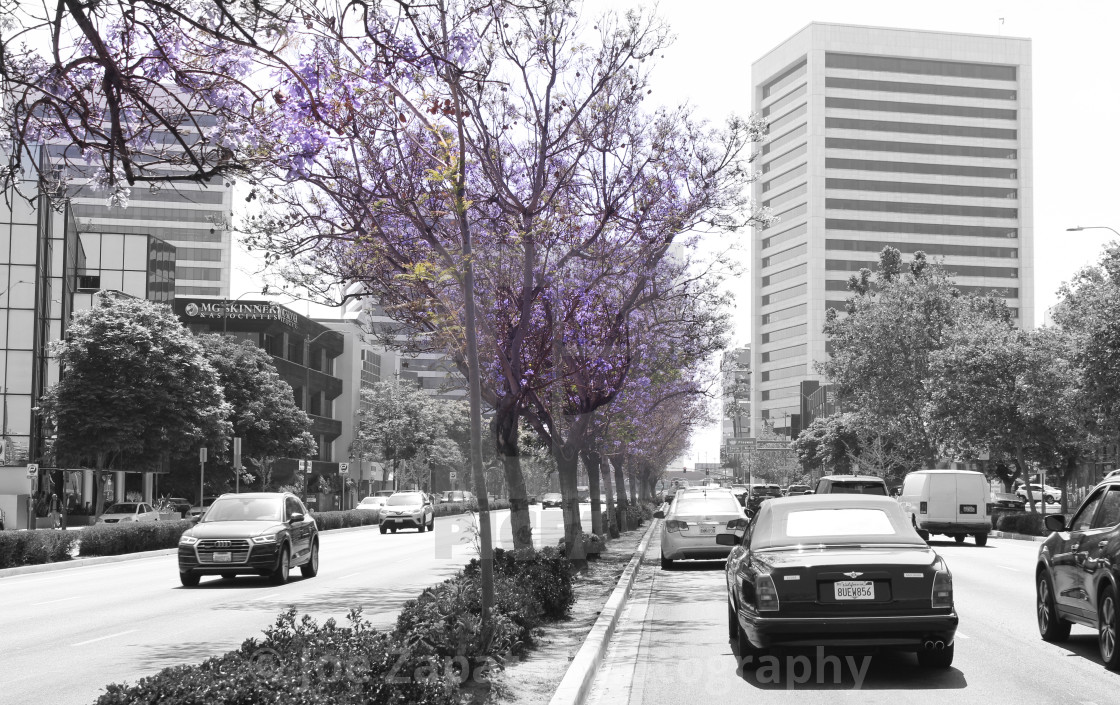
(225, 557)
(854, 589)
(968, 509)
(706, 530)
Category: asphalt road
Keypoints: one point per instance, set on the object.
(672, 647)
(64, 635)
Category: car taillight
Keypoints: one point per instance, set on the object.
(676, 525)
(942, 595)
(736, 524)
(766, 594)
(921, 507)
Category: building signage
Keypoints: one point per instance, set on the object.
(239, 310)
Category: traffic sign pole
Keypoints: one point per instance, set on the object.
(201, 480)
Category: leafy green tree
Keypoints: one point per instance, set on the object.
(135, 389)
(829, 443)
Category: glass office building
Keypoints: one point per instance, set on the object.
(914, 139)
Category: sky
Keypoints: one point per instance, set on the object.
(1075, 105)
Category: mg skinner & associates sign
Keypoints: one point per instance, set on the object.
(239, 310)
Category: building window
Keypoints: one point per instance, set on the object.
(316, 404)
(784, 295)
(950, 150)
(781, 123)
(209, 274)
(919, 168)
(785, 79)
(839, 265)
(784, 334)
(875, 226)
(936, 189)
(780, 393)
(863, 84)
(198, 290)
(780, 161)
(849, 204)
(919, 128)
(783, 353)
(783, 373)
(89, 281)
(921, 67)
(795, 251)
(785, 100)
(894, 106)
(786, 236)
(295, 351)
(784, 275)
(928, 248)
(785, 139)
(786, 177)
(794, 212)
(783, 314)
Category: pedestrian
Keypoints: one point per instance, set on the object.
(54, 510)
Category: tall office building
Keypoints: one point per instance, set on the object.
(918, 140)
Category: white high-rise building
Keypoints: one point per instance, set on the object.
(915, 139)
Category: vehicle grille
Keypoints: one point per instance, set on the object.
(237, 548)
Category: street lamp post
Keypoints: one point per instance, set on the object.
(1079, 228)
(307, 384)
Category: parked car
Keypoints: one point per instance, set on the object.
(460, 496)
(1007, 500)
(262, 533)
(372, 504)
(694, 520)
(1078, 572)
(1050, 495)
(407, 510)
(199, 510)
(384, 493)
(552, 499)
(949, 502)
(837, 570)
(794, 490)
(851, 484)
(124, 512)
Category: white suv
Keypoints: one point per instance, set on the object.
(1051, 495)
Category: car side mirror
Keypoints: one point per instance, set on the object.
(1055, 522)
(295, 518)
(727, 539)
(659, 514)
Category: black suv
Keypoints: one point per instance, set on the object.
(260, 533)
(1077, 578)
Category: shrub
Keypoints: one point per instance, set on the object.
(647, 511)
(545, 574)
(35, 547)
(1028, 523)
(117, 539)
(302, 661)
(343, 519)
(634, 516)
(592, 544)
(448, 508)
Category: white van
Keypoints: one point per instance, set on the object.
(949, 502)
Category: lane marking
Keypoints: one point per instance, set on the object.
(51, 602)
(1007, 567)
(351, 575)
(103, 638)
(262, 597)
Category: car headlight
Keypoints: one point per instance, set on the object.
(187, 540)
(269, 538)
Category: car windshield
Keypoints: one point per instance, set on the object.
(398, 500)
(552, 495)
(373, 500)
(712, 504)
(122, 509)
(245, 509)
(859, 488)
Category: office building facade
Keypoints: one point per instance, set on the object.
(914, 139)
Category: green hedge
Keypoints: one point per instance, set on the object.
(118, 539)
(35, 547)
(344, 519)
(1029, 523)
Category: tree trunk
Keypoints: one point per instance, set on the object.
(99, 486)
(620, 482)
(567, 466)
(617, 520)
(591, 463)
(1022, 463)
(504, 426)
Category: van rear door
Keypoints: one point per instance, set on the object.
(942, 503)
(972, 499)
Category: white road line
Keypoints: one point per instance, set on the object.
(51, 602)
(262, 597)
(1007, 567)
(351, 575)
(103, 638)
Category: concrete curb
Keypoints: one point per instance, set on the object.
(576, 684)
(102, 560)
(1018, 537)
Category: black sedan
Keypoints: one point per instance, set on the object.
(1077, 579)
(261, 533)
(838, 570)
(551, 499)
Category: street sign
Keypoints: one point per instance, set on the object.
(202, 454)
(344, 468)
(772, 445)
(32, 470)
(305, 466)
(237, 452)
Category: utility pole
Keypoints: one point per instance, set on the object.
(201, 479)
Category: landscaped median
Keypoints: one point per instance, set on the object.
(22, 548)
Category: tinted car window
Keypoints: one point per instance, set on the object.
(858, 488)
(235, 509)
(1084, 518)
(1109, 515)
(121, 509)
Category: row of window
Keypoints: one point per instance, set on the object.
(794, 212)
(784, 353)
(783, 178)
(159, 213)
(785, 236)
(785, 100)
(1003, 291)
(922, 67)
(784, 275)
(167, 194)
(780, 393)
(946, 150)
(839, 265)
(985, 172)
(864, 84)
(876, 226)
(198, 254)
(921, 128)
(207, 274)
(167, 234)
(928, 248)
(787, 138)
(786, 196)
(784, 295)
(784, 333)
(780, 161)
(780, 123)
(936, 189)
(197, 290)
(783, 314)
(783, 373)
(785, 79)
(851, 204)
(895, 106)
(785, 255)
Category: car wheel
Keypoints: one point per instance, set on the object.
(229, 576)
(959, 538)
(1050, 500)
(279, 576)
(189, 579)
(981, 539)
(393, 529)
(732, 621)
(311, 568)
(666, 563)
(383, 529)
(1107, 615)
(1050, 626)
(936, 659)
